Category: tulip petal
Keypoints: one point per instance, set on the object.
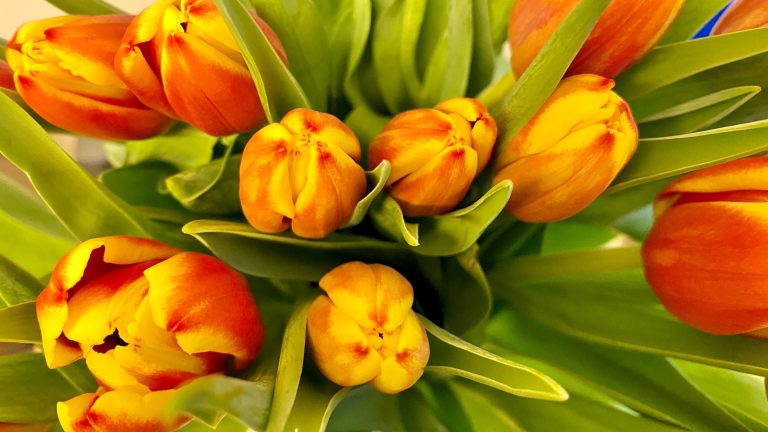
(742, 15)
(223, 320)
(206, 22)
(374, 295)
(119, 411)
(484, 130)
(206, 101)
(110, 374)
(405, 365)
(438, 186)
(323, 128)
(339, 347)
(406, 149)
(72, 413)
(6, 76)
(265, 184)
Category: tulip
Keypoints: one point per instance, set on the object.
(180, 58)
(705, 257)
(6, 76)
(364, 330)
(301, 173)
(569, 153)
(435, 154)
(743, 15)
(63, 69)
(627, 30)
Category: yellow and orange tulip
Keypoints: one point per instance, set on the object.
(301, 173)
(147, 318)
(743, 15)
(435, 154)
(364, 330)
(625, 33)
(179, 57)
(705, 257)
(569, 153)
(118, 411)
(64, 70)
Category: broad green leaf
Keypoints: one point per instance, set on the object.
(381, 412)
(659, 158)
(388, 218)
(85, 7)
(464, 292)
(453, 356)
(498, 11)
(636, 224)
(569, 236)
(655, 109)
(95, 212)
(211, 188)
(226, 424)
(692, 17)
(26, 207)
(183, 147)
(643, 382)
(287, 256)
(671, 63)
(609, 207)
(299, 26)
(212, 397)
(33, 250)
(366, 124)
(543, 75)
(434, 400)
(484, 416)
(18, 324)
(702, 117)
(378, 178)
(16, 285)
(315, 401)
(483, 49)
(141, 185)
(29, 390)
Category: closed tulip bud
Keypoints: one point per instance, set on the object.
(743, 15)
(435, 154)
(179, 57)
(569, 152)
(146, 316)
(301, 173)
(626, 31)
(64, 70)
(364, 330)
(705, 257)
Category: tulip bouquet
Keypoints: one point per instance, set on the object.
(344, 215)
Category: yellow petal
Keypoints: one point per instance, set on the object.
(402, 368)
(324, 128)
(72, 413)
(118, 411)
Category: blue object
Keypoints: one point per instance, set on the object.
(707, 29)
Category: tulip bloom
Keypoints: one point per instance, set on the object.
(147, 317)
(301, 173)
(63, 69)
(569, 152)
(435, 154)
(743, 15)
(118, 411)
(626, 31)
(364, 330)
(705, 256)
(180, 58)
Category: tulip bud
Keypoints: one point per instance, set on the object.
(435, 154)
(301, 173)
(569, 152)
(63, 69)
(705, 257)
(626, 31)
(364, 330)
(180, 58)
(743, 15)
(146, 316)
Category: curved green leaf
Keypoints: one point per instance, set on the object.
(483, 48)
(16, 285)
(464, 293)
(692, 17)
(278, 89)
(18, 324)
(315, 401)
(388, 218)
(85, 7)
(141, 185)
(211, 188)
(32, 249)
(183, 147)
(454, 356)
(23, 205)
(378, 177)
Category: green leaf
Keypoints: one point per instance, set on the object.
(464, 293)
(381, 412)
(226, 424)
(366, 124)
(16, 285)
(298, 24)
(484, 416)
(692, 17)
(33, 250)
(643, 382)
(18, 324)
(289, 257)
(315, 401)
(610, 206)
(29, 390)
(671, 63)
(25, 207)
(141, 185)
(568, 236)
(483, 49)
(211, 188)
(659, 158)
(3, 44)
(697, 114)
(378, 177)
(543, 75)
(85, 7)
(499, 11)
(389, 220)
(183, 147)
(454, 356)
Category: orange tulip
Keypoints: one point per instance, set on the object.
(118, 411)
(705, 256)
(301, 173)
(364, 330)
(6, 76)
(569, 153)
(435, 154)
(63, 69)
(743, 15)
(180, 58)
(625, 33)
